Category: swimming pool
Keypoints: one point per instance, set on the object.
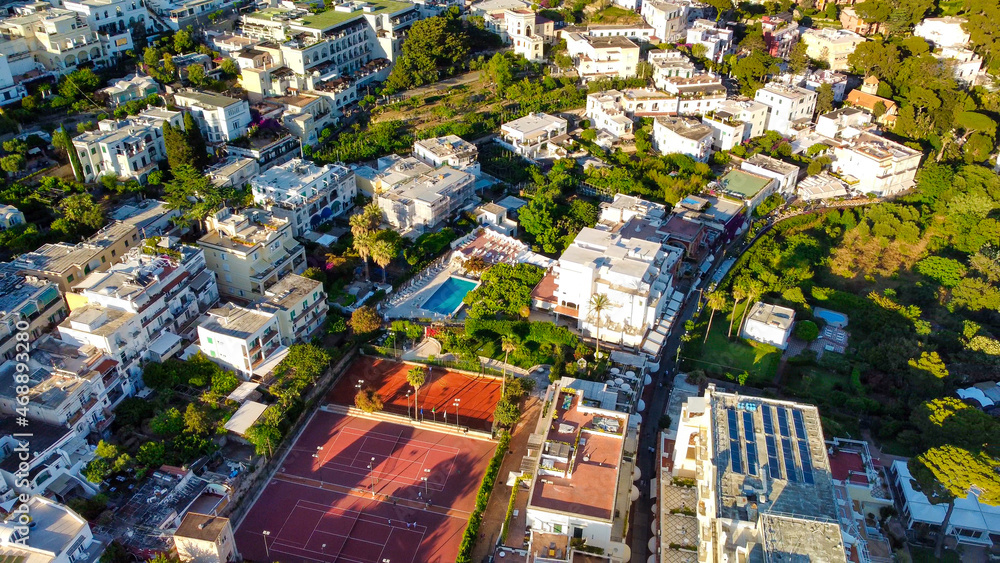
(832, 318)
(448, 298)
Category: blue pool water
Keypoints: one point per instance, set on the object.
(832, 318)
(449, 296)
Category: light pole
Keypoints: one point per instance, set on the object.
(455, 404)
(371, 469)
(267, 550)
(408, 404)
(427, 476)
(426, 493)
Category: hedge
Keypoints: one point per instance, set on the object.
(482, 499)
(543, 332)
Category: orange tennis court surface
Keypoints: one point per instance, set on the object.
(477, 396)
(363, 491)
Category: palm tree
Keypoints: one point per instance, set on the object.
(363, 244)
(383, 252)
(739, 294)
(508, 345)
(599, 303)
(416, 377)
(753, 289)
(716, 300)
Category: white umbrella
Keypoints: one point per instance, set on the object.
(648, 379)
(652, 559)
(641, 406)
(652, 545)
(636, 474)
(638, 418)
(654, 526)
(634, 493)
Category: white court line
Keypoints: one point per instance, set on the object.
(325, 510)
(360, 432)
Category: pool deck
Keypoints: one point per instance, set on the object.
(410, 308)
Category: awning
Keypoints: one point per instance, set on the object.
(653, 487)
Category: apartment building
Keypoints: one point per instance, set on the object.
(697, 95)
(605, 112)
(831, 45)
(578, 496)
(944, 32)
(748, 187)
(244, 340)
(427, 200)
(668, 19)
(602, 57)
(26, 299)
(221, 118)
(647, 102)
(57, 535)
(784, 174)
(858, 478)
(65, 386)
(836, 80)
(627, 259)
(54, 465)
(851, 21)
(682, 135)
(307, 114)
(753, 114)
(727, 130)
(204, 538)
(161, 288)
(129, 148)
(639, 33)
(132, 87)
(790, 107)
(340, 42)
(529, 136)
(762, 483)
(268, 147)
(300, 305)
(875, 165)
(66, 264)
(178, 14)
(250, 251)
(57, 39)
(11, 89)
(780, 35)
(451, 151)
(152, 217)
(305, 194)
(113, 20)
(821, 186)
(390, 172)
(846, 122)
(718, 41)
(233, 171)
(669, 64)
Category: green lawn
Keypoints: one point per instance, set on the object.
(720, 355)
(926, 555)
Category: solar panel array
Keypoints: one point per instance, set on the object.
(806, 459)
(772, 416)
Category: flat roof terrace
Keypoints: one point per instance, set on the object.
(594, 441)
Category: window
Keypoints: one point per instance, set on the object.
(70, 278)
(578, 533)
(210, 340)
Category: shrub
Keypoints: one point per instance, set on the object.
(368, 400)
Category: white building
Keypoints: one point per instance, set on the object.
(637, 32)
(305, 194)
(10, 216)
(11, 90)
(576, 493)
(221, 118)
(26, 298)
(602, 57)
(944, 32)
(832, 45)
(791, 107)
(113, 20)
(875, 165)
(128, 149)
(628, 260)
(495, 217)
(753, 114)
(132, 87)
(57, 39)
(762, 483)
(844, 123)
(64, 387)
(450, 150)
(300, 305)
(667, 64)
(139, 309)
(244, 340)
(821, 186)
(697, 95)
(784, 174)
(55, 461)
(57, 535)
(965, 63)
(727, 130)
(250, 251)
(525, 30)
(836, 80)
(668, 19)
(530, 135)
(427, 200)
(972, 522)
(204, 538)
(769, 324)
(718, 42)
(606, 114)
(682, 135)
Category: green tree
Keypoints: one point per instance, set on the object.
(508, 345)
(183, 42)
(598, 305)
(304, 361)
(931, 363)
(716, 301)
(875, 58)
(229, 67)
(199, 150)
(383, 252)
(79, 215)
(197, 420)
(179, 151)
(13, 163)
(506, 413)
(192, 193)
(504, 291)
(152, 454)
(798, 60)
(753, 69)
(432, 45)
(824, 99)
(416, 377)
(168, 423)
(739, 294)
(196, 74)
(945, 271)
(61, 139)
(365, 320)
(368, 400)
(806, 330)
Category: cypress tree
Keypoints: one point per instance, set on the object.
(195, 141)
(178, 148)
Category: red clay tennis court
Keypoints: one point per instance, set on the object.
(320, 505)
(477, 395)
